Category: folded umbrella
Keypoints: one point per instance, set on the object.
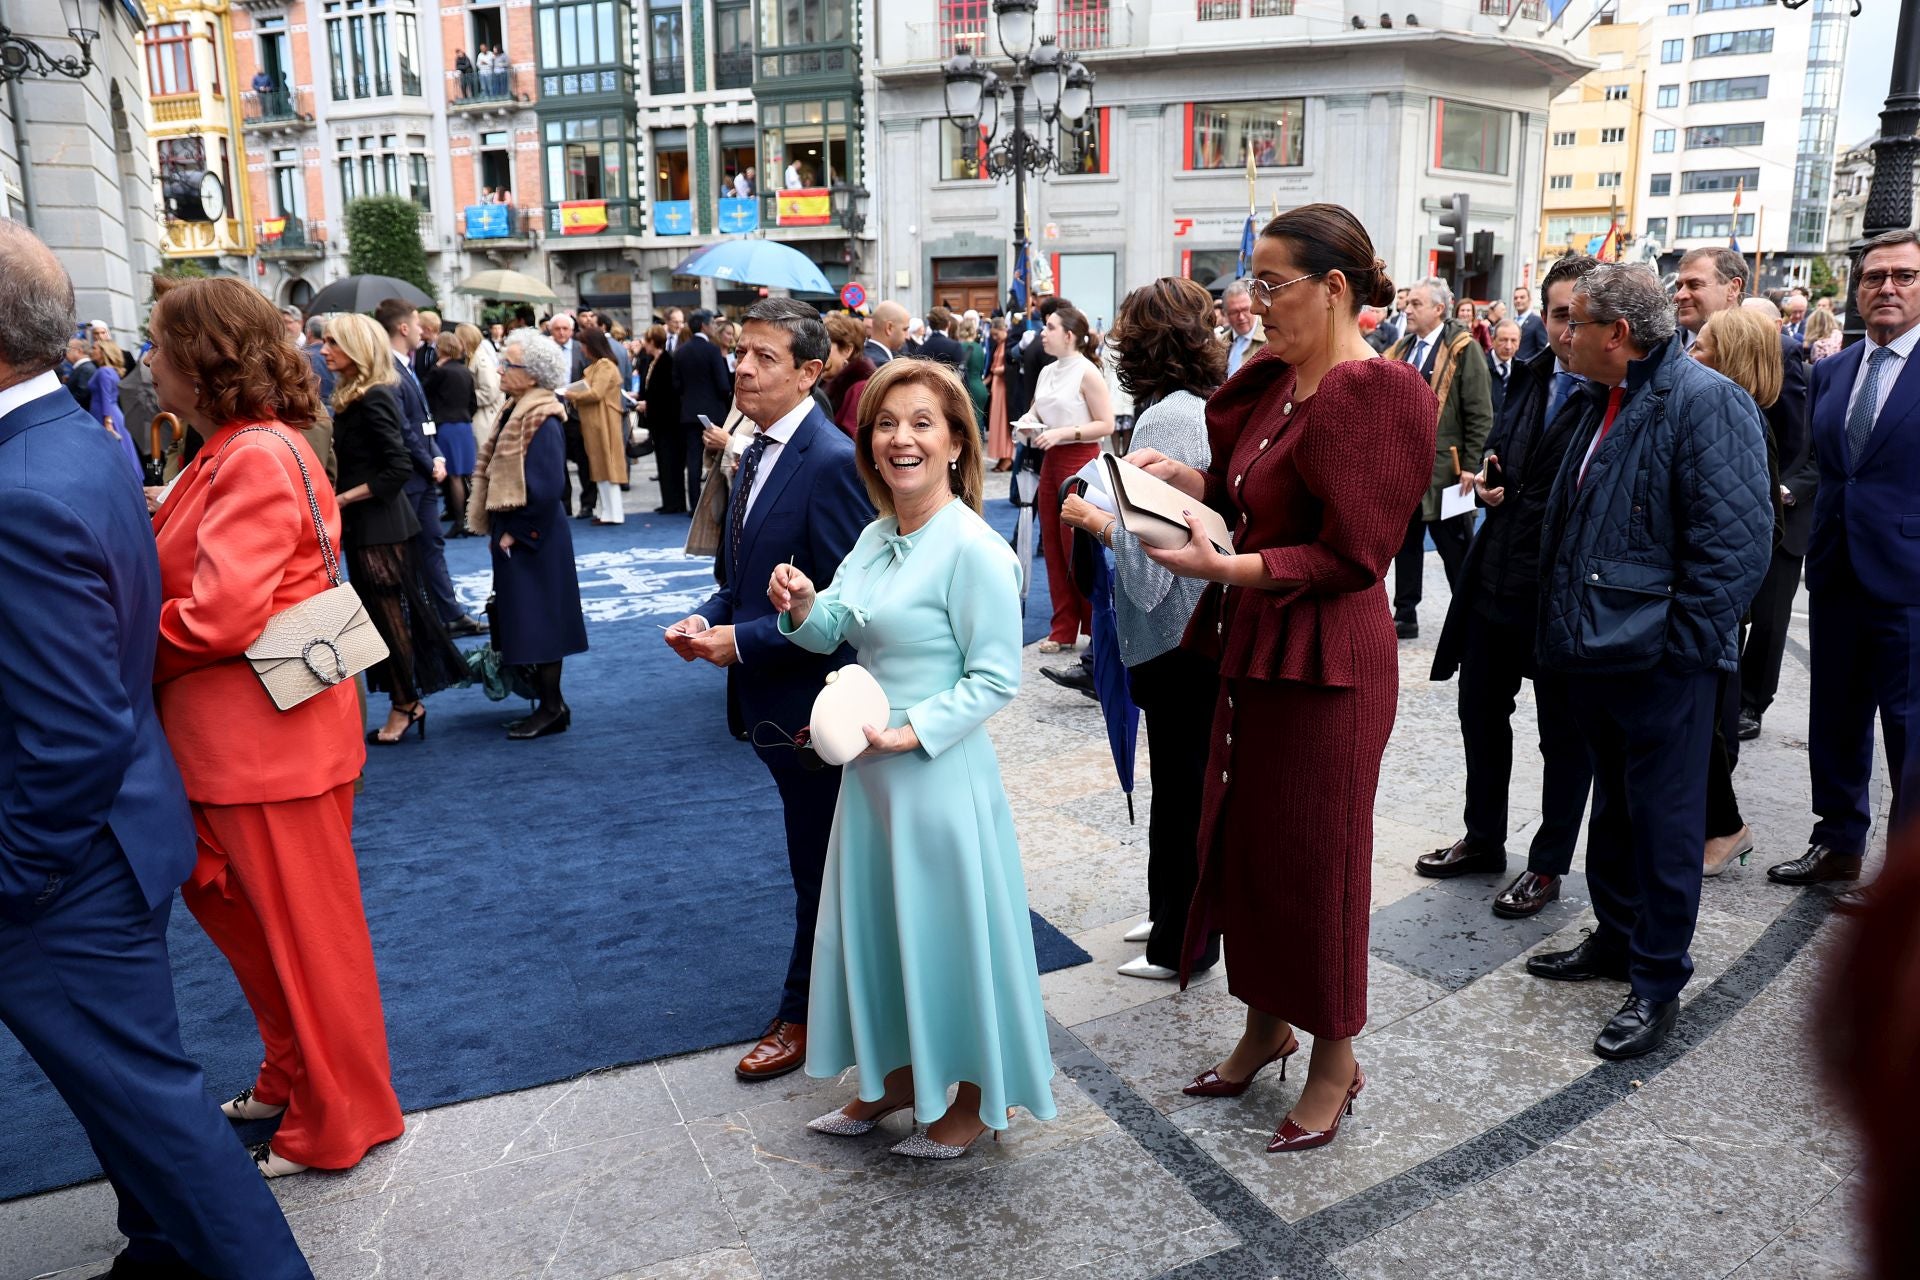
(1110, 676)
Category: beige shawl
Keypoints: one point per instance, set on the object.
(500, 476)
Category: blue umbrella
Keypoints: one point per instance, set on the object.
(766, 262)
(1110, 676)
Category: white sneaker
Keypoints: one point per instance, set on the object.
(1141, 967)
(1139, 933)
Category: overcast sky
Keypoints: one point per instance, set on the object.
(1869, 67)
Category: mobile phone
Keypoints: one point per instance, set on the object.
(1495, 476)
(705, 421)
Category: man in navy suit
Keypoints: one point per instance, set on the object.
(705, 384)
(940, 344)
(94, 828)
(402, 324)
(796, 497)
(1533, 330)
(1863, 569)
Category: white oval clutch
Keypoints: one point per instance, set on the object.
(851, 700)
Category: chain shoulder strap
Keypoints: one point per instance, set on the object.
(327, 554)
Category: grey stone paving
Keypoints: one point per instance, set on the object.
(1489, 1142)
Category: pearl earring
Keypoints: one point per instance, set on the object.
(954, 465)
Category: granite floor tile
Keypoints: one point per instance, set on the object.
(712, 1264)
(1823, 1244)
(1082, 889)
(1099, 1206)
(1621, 1199)
(703, 1085)
(1096, 990)
(1447, 932)
(776, 1176)
(58, 1230)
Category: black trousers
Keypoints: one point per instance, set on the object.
(1649, 732)
(1767, 639)
(1495, 658)
(670, 455)
(577, 455)
(1175, 692)
(1450, 538)
(807, 797)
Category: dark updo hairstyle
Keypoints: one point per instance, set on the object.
(1327, 237)
(1075, 322)
(1163, 341)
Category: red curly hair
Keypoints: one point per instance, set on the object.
(232, 342)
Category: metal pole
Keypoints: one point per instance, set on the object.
(1890, 198)
(1022, 265)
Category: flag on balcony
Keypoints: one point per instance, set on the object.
(1733, 228)
(273, 228)
(1605, 247)
(582, 217)
(803, 207)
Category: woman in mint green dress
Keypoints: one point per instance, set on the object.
(923, 965)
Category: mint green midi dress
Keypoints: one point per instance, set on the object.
(924, 949)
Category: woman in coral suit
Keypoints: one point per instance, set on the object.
(275, 886)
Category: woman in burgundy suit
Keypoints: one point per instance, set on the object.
(275, 886)
(1320, 455)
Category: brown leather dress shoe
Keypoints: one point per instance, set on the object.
(1817, 865)
(1460, 858)
(1526, 895)
(782, 1049)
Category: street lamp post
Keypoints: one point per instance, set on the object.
(1890, 198)
(1063, 91)
(20, 56)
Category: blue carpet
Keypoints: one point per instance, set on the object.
(617, 893)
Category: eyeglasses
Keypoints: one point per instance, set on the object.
(1874, 281)
(1262, 292)
(513, 364)
(1573, 326)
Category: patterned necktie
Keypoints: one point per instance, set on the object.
(1866, 406)
(742, 491)
(1563, 384)
(1418, 356)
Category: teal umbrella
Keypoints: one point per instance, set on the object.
(749, 261)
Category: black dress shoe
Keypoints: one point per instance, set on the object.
(1595, 957)
(1748, 728)
(551, 717)
(669, 511)
(1077, 676)
(1526, 895)
(1819, 864)
(1459, 859)
(1641, 1026)
(1406, 628)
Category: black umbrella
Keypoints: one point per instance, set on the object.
(363, 294)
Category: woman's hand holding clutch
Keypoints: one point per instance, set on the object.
(887, 742)
(791, 592)
(1178, 474)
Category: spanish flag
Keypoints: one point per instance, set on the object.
(803, 207)
(582, 217)
(273, 228)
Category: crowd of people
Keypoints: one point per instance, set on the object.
(1650, 470)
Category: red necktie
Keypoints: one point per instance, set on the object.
(1614, 397)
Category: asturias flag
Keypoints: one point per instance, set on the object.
(803, 207)
(582, 217)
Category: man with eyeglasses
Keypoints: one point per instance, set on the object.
(1863, 570)
(1444, 351)
(1242, 333)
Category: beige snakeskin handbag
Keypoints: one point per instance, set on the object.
(322, 641)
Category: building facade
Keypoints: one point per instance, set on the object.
(1743, 100)
(1593, 144)
(1388, 121)
(75, 162)
(194, 122)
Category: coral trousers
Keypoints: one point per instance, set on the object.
(1072, 612)
(278, 891)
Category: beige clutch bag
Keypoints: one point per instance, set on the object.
(1149, 508)
(324, 640)
(851, 700)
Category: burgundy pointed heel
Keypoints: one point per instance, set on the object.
(1291, 1137)
(1211, 1084)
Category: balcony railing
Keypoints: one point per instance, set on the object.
(1081, 25)
(523, 226)
(968, 26)
(733, 69)
(297, 239)
(1229, 10)
(282, 106)
(601, 80)
(667, 75)
(1529, 9)
(482, 89)
(176, 108)
(624, 218)
(964, 28)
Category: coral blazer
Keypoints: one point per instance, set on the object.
(234, 552)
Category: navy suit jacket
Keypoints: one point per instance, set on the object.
(1866, 512)
(82, 755)
(948, 352)
(705, 383)
(421, 447)
(811, 509)
(1533, 336)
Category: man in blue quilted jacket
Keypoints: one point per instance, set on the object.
(1657, 536)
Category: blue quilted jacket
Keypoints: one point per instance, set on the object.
(1656, 556)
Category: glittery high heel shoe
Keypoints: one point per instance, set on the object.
(839, 1124)
(919, 1146)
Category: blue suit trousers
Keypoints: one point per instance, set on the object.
(1865, 657)
(88, 991)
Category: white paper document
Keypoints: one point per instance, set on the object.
(1455, 503)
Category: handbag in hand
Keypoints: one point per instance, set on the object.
(325, 640)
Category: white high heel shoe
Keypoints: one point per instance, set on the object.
(1141, 967)
(1139, 933)
(244, 1106)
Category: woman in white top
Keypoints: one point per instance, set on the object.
(1074, 412)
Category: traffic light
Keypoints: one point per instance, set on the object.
(1453, 233)
(1482, 262)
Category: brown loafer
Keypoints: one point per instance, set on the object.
(1460, 858)
(1526, 895)
(782, 1049)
